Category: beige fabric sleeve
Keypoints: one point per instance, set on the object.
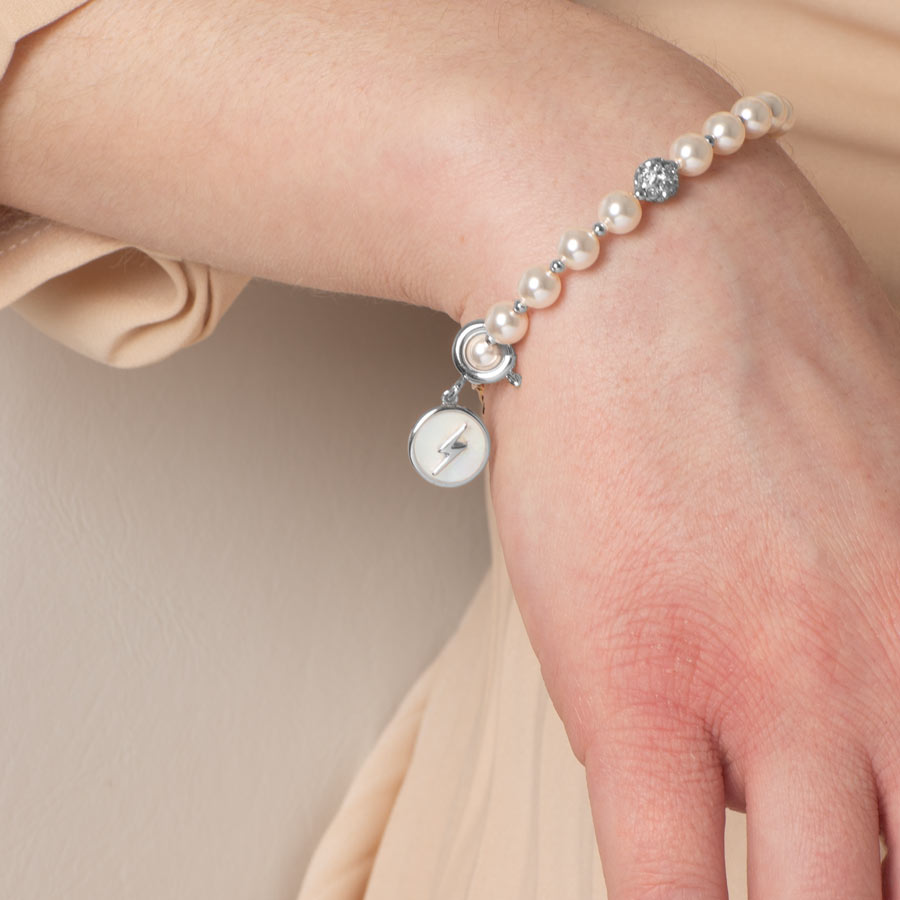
(120, 305)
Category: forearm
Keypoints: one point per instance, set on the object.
(394, 149)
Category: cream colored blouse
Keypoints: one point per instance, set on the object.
(472, 791)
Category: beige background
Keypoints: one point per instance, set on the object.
(219, 574)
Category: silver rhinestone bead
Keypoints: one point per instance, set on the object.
(599, 229)
(711, 138)
(557, 266)
(656, 180)
(520, 305)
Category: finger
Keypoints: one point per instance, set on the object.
(812, 825)
(658, 803)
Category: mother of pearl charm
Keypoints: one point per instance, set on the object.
(449, 446)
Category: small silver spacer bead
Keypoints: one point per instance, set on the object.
(520, 306)
(711, 138)
(515, 379)
(599, 229)
(557, 266)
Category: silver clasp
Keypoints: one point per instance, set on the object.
(451, 395)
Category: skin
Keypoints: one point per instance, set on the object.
(704, 540)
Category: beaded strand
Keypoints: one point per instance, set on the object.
(655, 180)
(450, 445)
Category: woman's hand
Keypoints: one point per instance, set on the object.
(697, 485)
(697, 490)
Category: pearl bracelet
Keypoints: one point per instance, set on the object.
(450, 444)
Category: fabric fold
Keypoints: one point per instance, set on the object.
(120, 305)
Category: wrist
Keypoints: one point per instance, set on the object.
(532, 156)
(735, 288)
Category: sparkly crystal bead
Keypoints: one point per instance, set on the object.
(656, 179)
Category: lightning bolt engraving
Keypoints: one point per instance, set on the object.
(451, 448)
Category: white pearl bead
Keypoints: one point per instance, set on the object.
(578, 249)
(755, 114)
(620, 212)
(539, 287)
(480, 354)
(778, 108)
(728, 130)
(504, 324)
(692, 152)
(782, 112)
(789, 119)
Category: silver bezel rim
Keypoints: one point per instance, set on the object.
(427, 475)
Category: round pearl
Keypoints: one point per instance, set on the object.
(789, 119)
(539, 287)
(783, 118)
(480, 354)
(755, 114)
(620, 212)
(779, 110)
(692, 152)
(728, 130)
(504, 324)
(578, 249)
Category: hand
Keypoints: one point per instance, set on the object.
(696, 486)
(697, 490)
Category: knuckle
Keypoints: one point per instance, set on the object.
(662, 754)
(818, 654)
(672, 657)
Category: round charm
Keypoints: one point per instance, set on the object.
(482, 361)
(449, 446)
